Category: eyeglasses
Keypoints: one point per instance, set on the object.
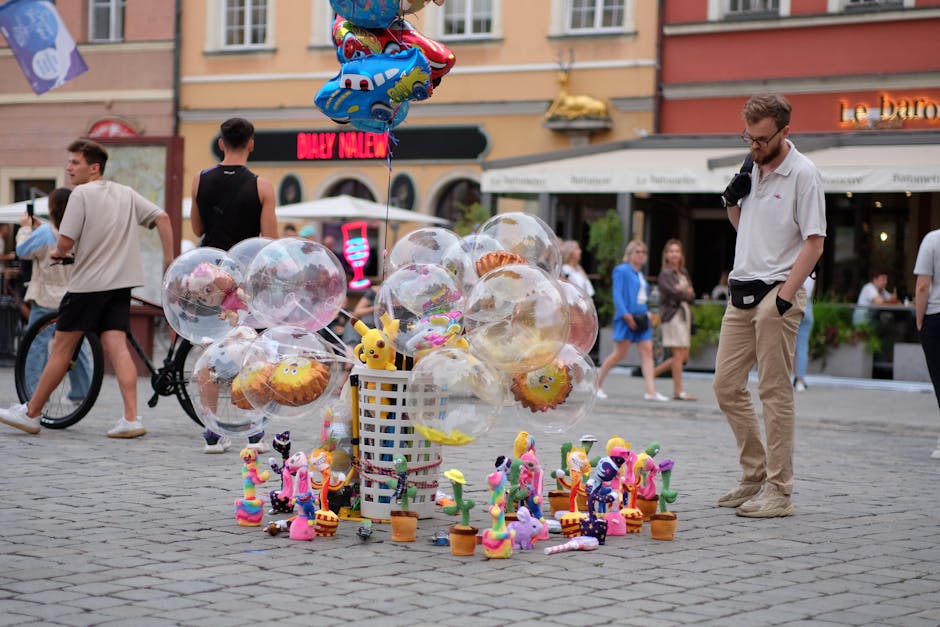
(760, 141)
(642, 252)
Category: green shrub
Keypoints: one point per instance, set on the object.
(707, 318)
(605, 241)
(832, 327)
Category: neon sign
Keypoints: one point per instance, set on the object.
(891, 112)
(356, 252)
(346, 145)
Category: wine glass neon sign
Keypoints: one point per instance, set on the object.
(356, 252)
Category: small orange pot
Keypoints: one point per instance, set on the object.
(647, 506)
(558, 500)
(663, 526)
(404, 526)
(463, 540)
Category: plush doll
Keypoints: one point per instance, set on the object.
(212, 286)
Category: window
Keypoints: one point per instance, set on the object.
(245, 23)
(595, 15)
(752, 8)
(106, 20)
(873, 5)
(468, 18)
(455, 197)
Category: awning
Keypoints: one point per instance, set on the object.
(857, 168)
(14, 211)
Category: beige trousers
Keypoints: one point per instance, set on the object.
(763, 336)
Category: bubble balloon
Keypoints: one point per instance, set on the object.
(202, 295)
(452, 396)
(427, 302)
(336, 434)
(288, 372)
(222, 409)
(555, 397)
(583, 315)
(516, 318)
(295, 282)
(244, 252)
(432, 245)
(525, 235)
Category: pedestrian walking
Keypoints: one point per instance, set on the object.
(927, 309)
(676, 295)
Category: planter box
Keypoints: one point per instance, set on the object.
(845, 361)
(704, 359)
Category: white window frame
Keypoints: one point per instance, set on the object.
(116, 14)
(321, 28)
(718, 10)
(841, 6)
(222, 15)
(597, 27)
(468, 18)
(561, 18)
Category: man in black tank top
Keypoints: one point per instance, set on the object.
(230, 204)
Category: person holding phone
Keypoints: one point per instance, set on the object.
(631, 320)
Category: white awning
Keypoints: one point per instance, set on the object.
(14, 211)
(884, 168)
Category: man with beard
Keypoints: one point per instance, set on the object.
(778, 208)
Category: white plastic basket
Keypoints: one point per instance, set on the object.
(385, 430)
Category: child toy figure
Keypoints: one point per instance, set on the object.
(327, 521)
(497, 541)
(606, 470)
(250, 510)
(404, 522)
(463, 537)
(212, 286)
(303, 527)
(376, 350)
(282, 501)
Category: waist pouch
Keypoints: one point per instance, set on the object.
(747, 294)
(642, 322)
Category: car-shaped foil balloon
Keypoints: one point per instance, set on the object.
(367, 13)
(373, 87)
(354, 42)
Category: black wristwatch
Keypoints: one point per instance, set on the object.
(726, 203)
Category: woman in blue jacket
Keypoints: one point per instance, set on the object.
(631, 319)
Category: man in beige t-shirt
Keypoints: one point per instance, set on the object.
(100, 229)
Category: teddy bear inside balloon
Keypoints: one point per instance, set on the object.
(386, 63)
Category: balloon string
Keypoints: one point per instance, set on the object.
(391, 140)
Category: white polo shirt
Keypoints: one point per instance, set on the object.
(781, 211)
(928, 264)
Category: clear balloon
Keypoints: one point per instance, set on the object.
(583, 315)
(288, 372)
(427, 302)
(525, 235)
(555, 397)
(203, 297)
(516, 318)
(221, 408)
(295, 282)
(336, 434)
(432, 245)
(453, 397)
(244, 252)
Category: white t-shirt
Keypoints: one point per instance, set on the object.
(782, 210)
(928, 263)
(102, 217)
(576, 277)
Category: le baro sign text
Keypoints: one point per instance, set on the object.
(444, 143)
(889, 112)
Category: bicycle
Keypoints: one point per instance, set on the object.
(60, 412)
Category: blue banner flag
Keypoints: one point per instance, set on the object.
(41, 43)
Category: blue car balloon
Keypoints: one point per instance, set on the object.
(373, 88)
(367, 13)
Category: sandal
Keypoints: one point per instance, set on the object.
(685, 396)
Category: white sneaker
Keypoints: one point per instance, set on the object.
(222, 444)
(800, 386)
(659, 398)
(16, 416)
(259, 446)
(126, 429)
(934, 455)
(601, 394)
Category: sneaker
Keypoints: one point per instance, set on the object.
(259, 446)
(221, 445)
(126, 429)
(601, 394)
(800, 386)
(739, 495)
(659, 398)
(16, 416)
(934, 455)
(770, 502)
(685, 396)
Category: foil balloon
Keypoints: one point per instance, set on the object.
(452, 396)
(553, 398)
(295, 281)
(372, 88)
(524, 235)
(287, 372)
(427, 302)
(516, 318)
(213, 399)
(583, 315)
(367, 13)
(203, 297)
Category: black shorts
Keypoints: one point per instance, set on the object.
(95, 311)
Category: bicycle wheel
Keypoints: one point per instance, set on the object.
(186, 356)
(77, 392)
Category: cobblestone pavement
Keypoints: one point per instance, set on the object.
(141, 532)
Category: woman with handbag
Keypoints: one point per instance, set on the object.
(631, 319)
(676, 294)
